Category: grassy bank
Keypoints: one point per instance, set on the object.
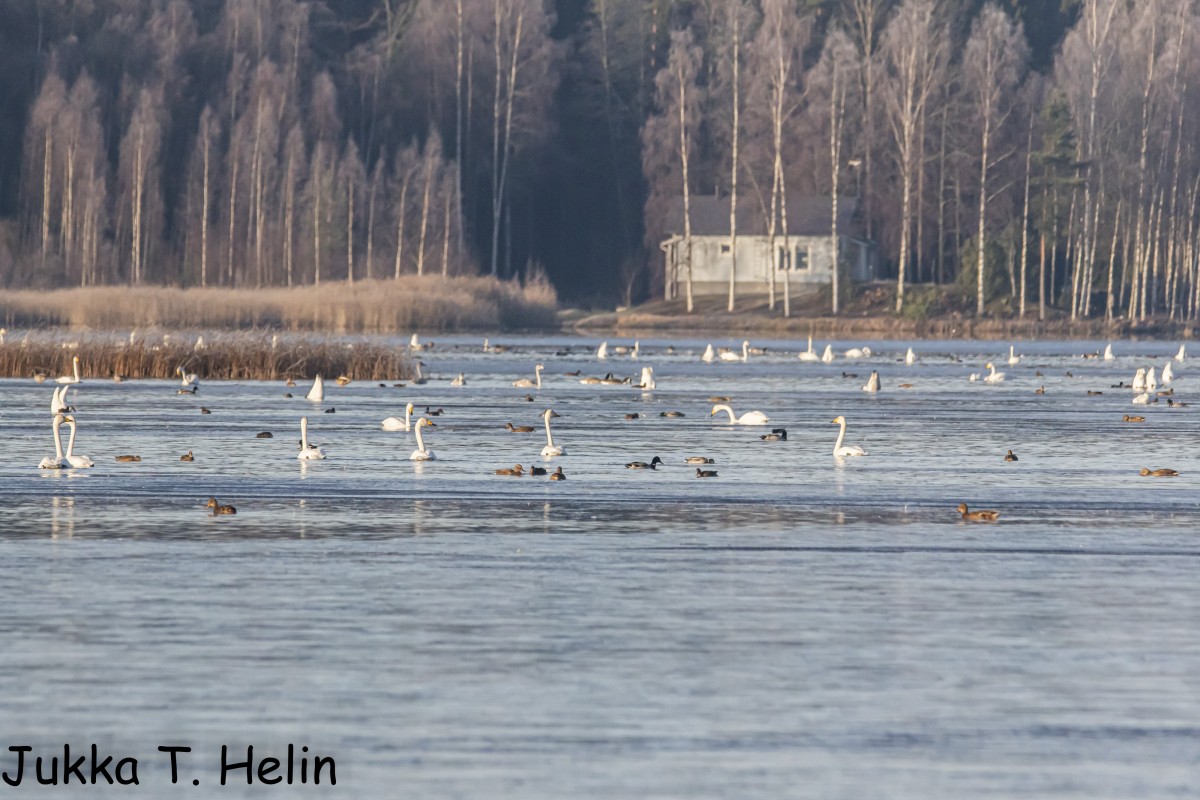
(244, 356)
(934, 313)
(420, 304)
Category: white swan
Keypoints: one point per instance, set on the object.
(648, 379)
(415, 343)
(1142, 399)
(317, 392)
(1180, 355)
(847, 450)
(397, 424)
(525, 383)
(58, 403)
(58, 462)
(993, 376)
(602, 351)
(1139, 380)
(728, 355)
(307, 451)
(1013, 358)
(1151, 381)
(707, 358)
(461, 380)
(973, 377)
(827, 356)
(856, 352)
(199, 344)
(421, 454)
(872, 382)
(1108, 353)
(76, 462)
(809, 354)
(749, 418)
(1168, 374)
(551, 449)
(185, 378)
(637, 346)
(910, 357)
(487, 346)
(75, 377)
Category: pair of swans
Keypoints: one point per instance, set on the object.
(525, 383)
(749, 418)
(68, 460)
(991, 377)
(397, 424)
(1144, 380)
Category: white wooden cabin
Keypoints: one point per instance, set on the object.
(807, 252)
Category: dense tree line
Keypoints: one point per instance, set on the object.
(1037, 155)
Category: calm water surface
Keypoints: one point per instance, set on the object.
(796, 627)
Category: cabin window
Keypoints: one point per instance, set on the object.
(801, 262)
(797, 259)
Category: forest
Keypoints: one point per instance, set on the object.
(1035, 154)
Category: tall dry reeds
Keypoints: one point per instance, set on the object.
(241, 356)
(425, 304)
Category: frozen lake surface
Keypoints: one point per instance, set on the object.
(796, 627)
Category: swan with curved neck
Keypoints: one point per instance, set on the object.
(58, 462)
(74, 377)
(76, 462)
(551, 449)
(317, 392)
(397, 424)
(307, 451)
(185, 378)
(843, 450)
(525, 383)
(749, 418)
(731, 356)
(992, 376)
(421, 454)
(809, 354)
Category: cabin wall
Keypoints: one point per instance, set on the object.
(712, 258)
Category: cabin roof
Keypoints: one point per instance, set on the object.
(808, 215)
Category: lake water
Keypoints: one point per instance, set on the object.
(798, 626)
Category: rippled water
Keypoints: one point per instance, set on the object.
(796, 627)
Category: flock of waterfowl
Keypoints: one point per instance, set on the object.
(1145, 385)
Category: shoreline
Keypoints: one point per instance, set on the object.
(634, 322)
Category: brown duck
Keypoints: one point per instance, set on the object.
(977, 516)
(218, 510)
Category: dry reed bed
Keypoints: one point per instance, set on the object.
(423, 304)
(250, 356)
